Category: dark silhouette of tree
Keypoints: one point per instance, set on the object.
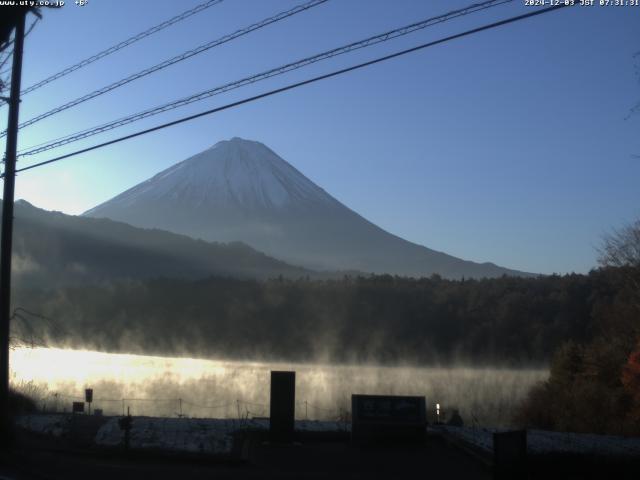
(594, 383)
(621, 248)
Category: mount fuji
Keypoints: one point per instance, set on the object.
(240, 190)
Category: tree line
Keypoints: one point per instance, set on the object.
(382, 319)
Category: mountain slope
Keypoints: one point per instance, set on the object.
(51, 248)
(240, 190)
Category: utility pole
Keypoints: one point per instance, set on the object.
(7, 223)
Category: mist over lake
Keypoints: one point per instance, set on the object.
(168, 386)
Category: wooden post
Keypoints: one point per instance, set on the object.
(7, 225)
(283, 405)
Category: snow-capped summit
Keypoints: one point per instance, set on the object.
(240, 190)
(235, 174)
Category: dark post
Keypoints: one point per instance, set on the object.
(125, 424)
(88, 397)
(510, 454)
(283, 405)
(7, 223)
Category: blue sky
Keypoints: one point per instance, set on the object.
(513, 146)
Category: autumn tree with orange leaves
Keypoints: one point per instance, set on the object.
(631, 382)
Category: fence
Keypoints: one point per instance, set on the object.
(186, 408)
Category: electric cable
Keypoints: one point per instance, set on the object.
(171, 61)
(300, 84)
(383, 37)
(119, 46)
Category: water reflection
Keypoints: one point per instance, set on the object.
(164, 386)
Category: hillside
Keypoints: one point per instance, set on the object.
(51, 248)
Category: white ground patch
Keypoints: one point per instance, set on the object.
(541, 442)
(55, 425)
(213, 436)
(197, 435)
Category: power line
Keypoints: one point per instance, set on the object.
(4, 60)
(33, 24)
(6, 45)
(383, 37)
(178, 58)
(123, 44)
(262, 76)
(8, 69)
(299, 84)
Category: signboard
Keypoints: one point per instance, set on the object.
(77, 407)
(283, 404)
(391, 418)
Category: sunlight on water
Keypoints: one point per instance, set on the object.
(165, 386)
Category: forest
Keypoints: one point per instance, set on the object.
(380, 319)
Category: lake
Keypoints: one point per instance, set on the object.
(167, 386)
